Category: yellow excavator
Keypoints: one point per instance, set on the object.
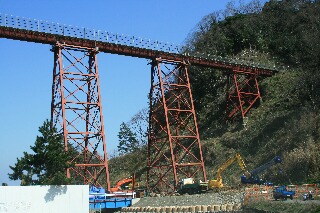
(217, 183)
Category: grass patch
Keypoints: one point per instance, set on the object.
(284, 207)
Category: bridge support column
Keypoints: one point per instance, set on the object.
(77, 112)
(174, 148)
(242, 94)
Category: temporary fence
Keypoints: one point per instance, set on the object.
(265, 193)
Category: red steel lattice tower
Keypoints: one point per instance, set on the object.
(77, 112)
(242, 93)
(174, 148)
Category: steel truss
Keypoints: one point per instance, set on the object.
(77, 112)
(174, 148)
(242, 94)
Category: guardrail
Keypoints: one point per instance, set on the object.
(86, 33)
(116, 38)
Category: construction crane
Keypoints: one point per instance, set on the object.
(253, 177)
(217, 183)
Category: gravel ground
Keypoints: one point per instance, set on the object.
(227, 197)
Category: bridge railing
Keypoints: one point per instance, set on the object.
(86, 33)
(115, 38)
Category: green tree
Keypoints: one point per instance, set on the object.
(127, 140)
(48, 162)
(139, 126)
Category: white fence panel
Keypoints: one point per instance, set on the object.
(44, 199)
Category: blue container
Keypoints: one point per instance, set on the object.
(111, 203)
(99, 199)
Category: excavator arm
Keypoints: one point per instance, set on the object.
(120, 183)
(217, 183)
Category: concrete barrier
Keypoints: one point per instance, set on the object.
(151, 209)
(237, 206)
(229, 207)
(129, 209)
(191, 209)
(157, 209)
(168, 209)
(204, 208)
(163, 209)
(223, 207)
(176, 209)
(216, 207)
(185, 209)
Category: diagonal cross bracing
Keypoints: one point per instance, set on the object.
(174, 148)
(242, 94)
(174, 144)
(77, 113)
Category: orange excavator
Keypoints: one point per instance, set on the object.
(124, 184)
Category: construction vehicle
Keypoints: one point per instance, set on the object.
(281, 192)
(310, 190)
(253, 177)
(190, 186)
(217, 183)
(123, 184)
(308, 196)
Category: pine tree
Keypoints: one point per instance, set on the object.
(48, 162)
(127, 140)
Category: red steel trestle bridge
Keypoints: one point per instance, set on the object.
(174, 148)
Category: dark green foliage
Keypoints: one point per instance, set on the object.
(48, 162)
(138, 126)
(127, 140)
(286, 123)
(132, 163)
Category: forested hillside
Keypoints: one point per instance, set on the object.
(286, 121)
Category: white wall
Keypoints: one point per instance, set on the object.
(44, 199)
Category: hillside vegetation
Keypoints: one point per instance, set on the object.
(286, 121)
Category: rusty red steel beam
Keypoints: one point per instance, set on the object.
(52, 39)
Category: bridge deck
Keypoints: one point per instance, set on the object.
(44, 32)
